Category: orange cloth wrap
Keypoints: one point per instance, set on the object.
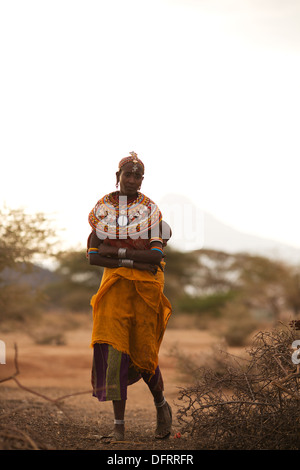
(131, 312)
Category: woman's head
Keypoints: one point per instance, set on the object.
(132, 158)
(130, 174)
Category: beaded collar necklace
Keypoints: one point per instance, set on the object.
(115, 217)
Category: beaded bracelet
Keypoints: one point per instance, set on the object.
(157, 249)
(156, 239)
(93, 250)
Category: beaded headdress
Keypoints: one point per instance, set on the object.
(132, 158)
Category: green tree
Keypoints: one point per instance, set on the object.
(179, 272)
(292, 290)
(76, 281)
(24, 239)
(262, 283)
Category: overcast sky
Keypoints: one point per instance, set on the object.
(206, 92)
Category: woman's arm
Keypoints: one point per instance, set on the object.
(107, 256)
(93, 253)
(152, 256)
(105, 261)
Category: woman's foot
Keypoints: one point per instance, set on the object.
(164, 420)
(119, 430)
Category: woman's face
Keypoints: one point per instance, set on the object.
(130, 178)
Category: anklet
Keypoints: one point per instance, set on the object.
(159, 405)
(119, 421)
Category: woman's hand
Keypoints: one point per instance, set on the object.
(152, 268)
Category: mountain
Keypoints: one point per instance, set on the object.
(194, 228)
(220, 236)
(34, 276)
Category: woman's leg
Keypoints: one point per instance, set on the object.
(163, 409)
(119, 421)
(157, 395)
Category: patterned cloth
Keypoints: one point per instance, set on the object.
(131, 312)
(113, 372)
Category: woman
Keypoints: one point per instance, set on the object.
(130, 311)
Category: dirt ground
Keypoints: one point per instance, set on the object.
(79, 422)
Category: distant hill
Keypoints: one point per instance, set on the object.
(208, 232)
(36, 276)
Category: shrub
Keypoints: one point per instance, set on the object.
(208, 303)
(238, 324)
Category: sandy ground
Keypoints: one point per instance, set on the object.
(30, 421)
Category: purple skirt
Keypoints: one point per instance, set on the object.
(113, 371)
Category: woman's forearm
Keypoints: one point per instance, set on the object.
(104, 261)
(152, 256)
(107, 262)
(144, 256)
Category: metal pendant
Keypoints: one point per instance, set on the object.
(122, 220)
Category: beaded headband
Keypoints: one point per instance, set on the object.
(132, 158)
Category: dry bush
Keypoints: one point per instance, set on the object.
(255, 405)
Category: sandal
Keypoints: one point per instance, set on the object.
(164, 420)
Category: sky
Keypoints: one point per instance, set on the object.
(206, 92)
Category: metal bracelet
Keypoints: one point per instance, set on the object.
(126, 263)
(122, 252)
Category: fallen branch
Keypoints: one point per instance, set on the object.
(55, 401)
(13, 433)
(18, 434)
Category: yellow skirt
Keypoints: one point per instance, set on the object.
(131, 312)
